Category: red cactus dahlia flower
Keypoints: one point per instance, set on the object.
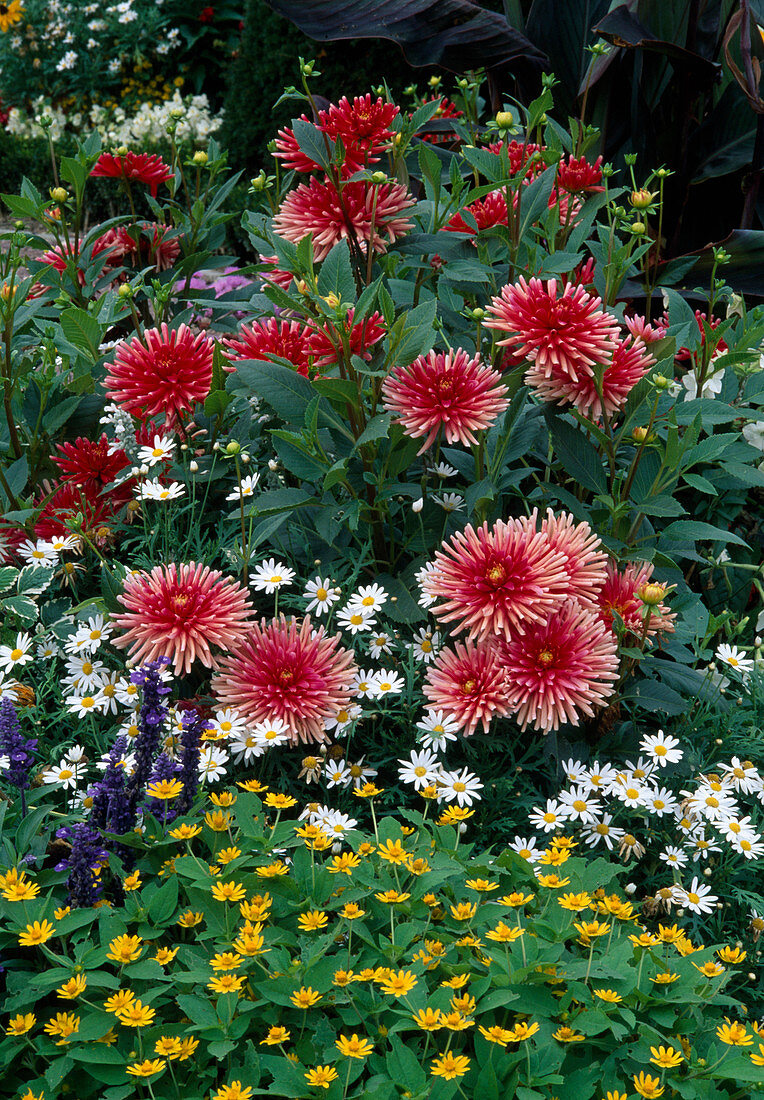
(363, 127)
(367, 211)
(283, 670)
(469, 684)
(631, 361)
(560, 668)
(566, 331)
(448, 390)
(577, 174)
(161, 372)
(148, 168)
(90, 463)
(620, 595)
(360, 338)
(498, 580)
(179, 612)
(262, 339)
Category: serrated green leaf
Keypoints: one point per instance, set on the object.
(336, 274)
(82, 330)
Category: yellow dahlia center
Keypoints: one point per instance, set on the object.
(496, 573)
(546, 657)
(468, 686)
(285, 676)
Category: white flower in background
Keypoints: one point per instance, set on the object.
(631, 794)
(245, 746)
(370, 597)
(421, 769)
(271, 575)
(700, 846)
(437, 729)
(580, 805)
(355, 620)
(748, 846)
(673, 856)
(83, 673)
(741, 775)
(321, 594)
(711, 802)
(444, 470)
(552, 817)
(753, 433)
(48, 649)
(83, 705)
(425, 644)
(337, 774)
(161, 451)
(450, 502)
(697, 898)
(270, 734)
(734, 657)
(460, 785)
(18, 654)
(380, 643)
(711, 388)
(388, 683)
(659, 801)
(107, 687)
(573, 770)
(638, 772)
(68, 773)
(212, 761)
(245, 488)
(364, 683)
(154, 490)
(8, 690)
(602, 830)
(733, 827)
(599, 777)
(526, 848)
(68, 61)
(226, 723)
(334, 822)
(662, 748)
(63, 543)
(343, 718)
(40, 552)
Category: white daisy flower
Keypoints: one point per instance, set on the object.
(65, 773)
(741, 775)
(271, 734)
(370, 597)
(359, 772)
(63, 543)
(388, 683)
(270, 576)
(550, 818)
(450, 502)
(107, 687)
(599, 777)
(733, 827)
(421, 769)
(8, 690)
(321, 594)
(662, 748)
(673, 856)
(526, 848)
(18, 654)
(437, 729)
(424, 577)
(245, 488)
(425, 644)
(335, 823)
(212, 759)
(128, 693)
(380, 643)
(337, 774)
(154, 490)
(698, 898)
(47, 650)
(226, 723)
(355, 620)
(603, 831)
(245, 746)
(342, 719)
(82, 705)
(460, 785)
(444, 470)
(40, 552)
(580, 805)
(631, 794)
(364, 684)
(161, 451)
(573, 770)
(659, 801)
(748, 846)
(700, 847)
(735, 658)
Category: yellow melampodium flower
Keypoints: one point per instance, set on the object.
(502, 933)
(280, 801)
(345, 863)
(36, 933)
(354, 1047)
(522, 1031)
(226, 960)
(72, 989)
(147, 1068)
(218, 821)
(63, 1024)
(731, 954)
(428, 1019)
(223, 798)
(228, 891)
(398, 985)
(164, 789)
(351, 911)
(275, 1037)
(168, 1046)
(734, 1034)
(187, 1048)
(165, 955)
(185, 832)
(21, 1024)
(190, 919)
(132, 882)
(392, 851)
(647, 1086)
(463, 910)
(321, 1077)
(124, 949)
(576, 903)
(227, 983)
(305, 998)
(234, 1091)
(450, 1066)
(227, 855)
(119, 1001)
(391, 897)
(609, 996)
(666, 1057)
(136, 1014)
(312, 921)
(567, 1035)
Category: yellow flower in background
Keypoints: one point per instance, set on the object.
(734, 1034)
(185, 832)
(522, 1031)
(393, 851)
(647, 1086)
(36, 933)
(124, 949)
(132, 882)
(354, 1047)
(516, 899)
(21, 1024)
(72, 989)
(398, 985)
(168, 1046)
(305, 998)
(428, 1019)
(273, 870)
(666, 1057)
(136, 1014)
(64, 911)
(119, 1001)
(710, 969)
(164, 789)
(345, 863)
(227, 983)
(218, 821)
(463, 910)
(234, 1091)
(502, 933)
(226, 960)
(567, 1035)
(608, 995)
(280, 801)
(351, 911)
(665, 978)
(450, 1066)
(496, 1034)
(190, 919)
(222, 798)
(312, 921)
(147, 1068)
(321, 1077)
(63, 1024)
(187, 1048)
(165, 955)
(226, 855)
(576, 903)
(731, 954)
(10, 13)
(392, 896)
(228, 891)
(482, 885)
(276, 1036)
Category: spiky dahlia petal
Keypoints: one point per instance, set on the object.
(586, 562)
(262, 339)
(497, 580)
(631, 361)
(448, 390)
(148, 168)
(567, 331)
(181, 612)
(162, 372)
(468, 683)
(363, 126)
(370, 212)
(89, 462)
(289, 671)
(561, 668)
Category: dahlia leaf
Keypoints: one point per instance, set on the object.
(577, 455)
(336, 274)
(690, 530)
(82, 330)
(377, 428)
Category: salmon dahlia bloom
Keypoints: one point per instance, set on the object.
(148, 168)
(565, 332)
(468, 683)
(586, 563)
(287, 671)
(180, 612)
(445, 390)
(161, 372)
(372, 213)
(631, 361)
(561, 668)
(620, 596)
(498, 580)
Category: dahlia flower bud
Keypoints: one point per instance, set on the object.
(639, 434)
(504, 120)
(200, 157)
(232, 448)
(652, 594)
(638, 229)
(332, 300)
(641, 199)
(378, 177)
(59, 194)
(660, 381)
(122, 151)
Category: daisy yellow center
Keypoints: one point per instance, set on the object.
(602, 828)
(420, 771)
(356, 619)
(38, 553)
(692, 897)
(157, 452)
(660, 750)
(87, 668)
(65, 773)
(659, 804)
(459, 787)
(712, 802)
(745, 845)
(632, 792)
(549, 818)
(88, 701)
(733, 661)
(271, 735)
(109, 691)
(321, 594)
(438, 729)
(385, 686)
(368, 601)
(426, 646)
(343, 716)
(738, 773)
(734, 827)
(525, 853)
(276, 578)
(579, 805)
(226, 727)
(16, 653)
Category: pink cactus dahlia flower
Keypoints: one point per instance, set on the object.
(469, 684)
(631, 361)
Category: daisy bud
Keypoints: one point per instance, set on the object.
(417, 505)
(659, 381)
(462, 827)
(630, 888)
(125, 291)
(122, 151)
(59, 194)
(504, 120)
(200, 157)
(232, 448)
(641, 199)
(245, 460)
(176, 113)
(751, 977)
(477, 314)
(272, 464)
(143, 470)
(193, 467)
